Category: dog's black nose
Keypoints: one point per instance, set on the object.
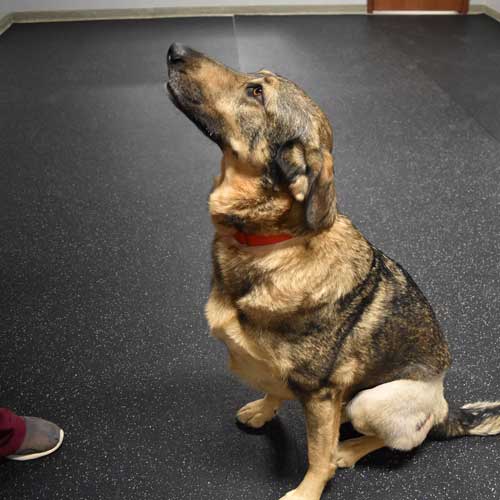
(177, 53)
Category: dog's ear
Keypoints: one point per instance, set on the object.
(321, 201)
(291, 160)
(309, 173)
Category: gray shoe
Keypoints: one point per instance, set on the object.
(42, 438)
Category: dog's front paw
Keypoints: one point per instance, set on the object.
(256, 414)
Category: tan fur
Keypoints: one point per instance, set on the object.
(490, 425)
(401, 412)
(239, 189)
(352, 450)
(482, 405)
(345, 374)
(249, 360)
(257, 413)
(319, 317)
(299, 270)
(348, 372)
(323, 413)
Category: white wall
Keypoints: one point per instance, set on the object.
(5, 7)
(37, 5)
(494, 4)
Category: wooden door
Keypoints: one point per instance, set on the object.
(461, 6)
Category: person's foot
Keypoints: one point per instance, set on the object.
(42, 438)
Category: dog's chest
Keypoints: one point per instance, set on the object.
(252, 360)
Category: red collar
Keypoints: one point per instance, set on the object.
(257, 240)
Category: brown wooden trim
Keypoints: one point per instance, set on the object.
(460, 6)
(465, 7)
(370, 7)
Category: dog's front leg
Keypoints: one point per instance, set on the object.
(323, 410)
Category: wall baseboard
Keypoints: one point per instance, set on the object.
(485, 9)
(95, 15)
(491, 12)
(159, 12)
(6, 22)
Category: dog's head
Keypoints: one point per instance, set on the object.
(277, 169)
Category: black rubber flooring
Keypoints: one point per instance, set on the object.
(105, 236)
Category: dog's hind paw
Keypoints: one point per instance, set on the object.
(352, 450)
(257, 413)
(345, 462)
(296, 495)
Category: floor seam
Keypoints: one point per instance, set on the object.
(235, 34)
(461, 106)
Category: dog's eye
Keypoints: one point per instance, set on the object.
(257, 92)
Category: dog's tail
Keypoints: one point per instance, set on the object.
(474, 419)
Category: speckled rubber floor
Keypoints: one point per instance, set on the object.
(105, 261)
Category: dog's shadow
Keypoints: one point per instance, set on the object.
(288, 460)
(385, 458)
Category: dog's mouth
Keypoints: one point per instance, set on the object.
(170, 91)
(190, 104)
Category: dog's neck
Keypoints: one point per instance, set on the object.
(244, 205)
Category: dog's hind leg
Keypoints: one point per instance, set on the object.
(352, 450)
(397, 414)
(257, 413)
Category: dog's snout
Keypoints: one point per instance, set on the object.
(178, 53)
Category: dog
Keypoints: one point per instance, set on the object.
(307, 307)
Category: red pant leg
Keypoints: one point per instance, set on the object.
(12, 432)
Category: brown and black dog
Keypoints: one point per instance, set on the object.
(307, 307)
